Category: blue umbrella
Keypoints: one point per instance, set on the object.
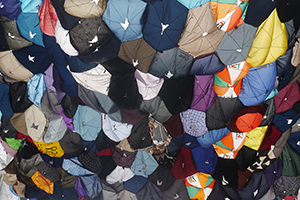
(124, 18)
(5, 106)
(87, 122)
(165, 23)
(77, 65)
(31, 6)
(190, 141)
(207, 65)
(135, 183)
(205, 159)
(36, 89)
(283, 121)
(193, 3)
(211, 137)
(29, 27)
(144, 164)
(258, 84)
(10, 9)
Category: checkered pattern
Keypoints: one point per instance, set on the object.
(193, 122)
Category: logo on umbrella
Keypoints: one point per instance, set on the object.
(125, 25)
(163, 28)
(1, 5)
(32, 35)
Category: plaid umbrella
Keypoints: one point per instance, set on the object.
(194, 122)
(200, 37)
(138, 53)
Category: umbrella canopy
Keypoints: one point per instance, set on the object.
(200, 35)
(36, 123)
(116, 131)
(87, 122)
(290, 160)
(148, 84)
(103, 142)
(111, 191)
(124, 18)
(73, 167)
(28, 25)
(245, 158)
(5, 105)
(204, 95)
(221, 111)
(273, 172)
(132, 116)
(190, 142)
(31, 6)
(171, 63)
(176, 191)
(184, 165)
(13, 38)
(11, 9)
(69, 105)
(207, 65)
(48, 18)
(138, 53)
(36, 89)
(212, 137)
(95, 79)
(271, 136)
(88, 33)
(55, 130)
(119, 174)
(194, 122)
(269, 105)
(174, 126)
(286, 186)
(13, 68)
(236, 44)
(91, 185)
(283, 121)
(124, 195)
(149, 192)
(223, 192)
(135, 183)
(192, 3)
(140, 137)
(86, 8)
(269, 43)
(165, 23)
(247, 119)
(199, 185)
(18, 96)
(286, 97)
(255, 137)
(62, 37)
(77, 65)
(162, 178)
(122, 157)
(144, 164)
(205, 159)
(177, 93)
(227, 83)
(6, 128)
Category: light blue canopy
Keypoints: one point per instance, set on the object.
(144, 164)
(124, 18)
(87, 122)
(193, 3)
(258, 84)
(212, 137)
(31, 6)
(36, 89)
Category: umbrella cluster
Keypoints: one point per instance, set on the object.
(149, 99)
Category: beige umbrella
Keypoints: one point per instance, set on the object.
(200, 35)
(18, 122)
(296, 54)
(85, 8)
(13, 68)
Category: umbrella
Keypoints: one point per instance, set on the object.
(122, 157)
(212, 137)
(36, 89)
(271, 136)
(229, 145)
(200, 35)
(138, 53)
(77, 65)
(236, 44)
(184, 165)
(91, 185)
(6, 128)
(55, 130)
(283, 121)
(190, 141)
(119, 174)
(174, 126)
(135, 183)
(207, 65)
(111, 191)
(193, 122)
(285, 77)
(5, 106)
(287, 12)
(85, 8)
(144, 164)
(172, 63)
(269, 105)
(227, 83)
(193, 3)
(176, 191)
(13, 38)
(245, 158)
(273, 172)
(116, 131)
(286, 97)
(73, 167)
(296, 52)
(244, 177)
(157, 109)
(132, 116)
(28, 25)
(88, 33)
(204, 95)
(95, 79)
(69, 105)
(223, 192)
(50, 106)
(18, 96)
(165, 23)
(199, 185)
(177, 93)
(67, 21)
(269, 42)
(126, 195)
(221, 111)
(255, 137)
(48, 18)
(247, 118)
(286, 186)
(62, 37)
(125, 18)
(29, 6)
(125, 146)
(149, 192)
(11, 9)
(87, 122)
(205, 159)
(162, 178)
(123, 90)
(290, 160)
(13, 68)
(140, 137)
(283, 63)
(103, 142)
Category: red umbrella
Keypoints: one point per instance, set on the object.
(286, 97)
